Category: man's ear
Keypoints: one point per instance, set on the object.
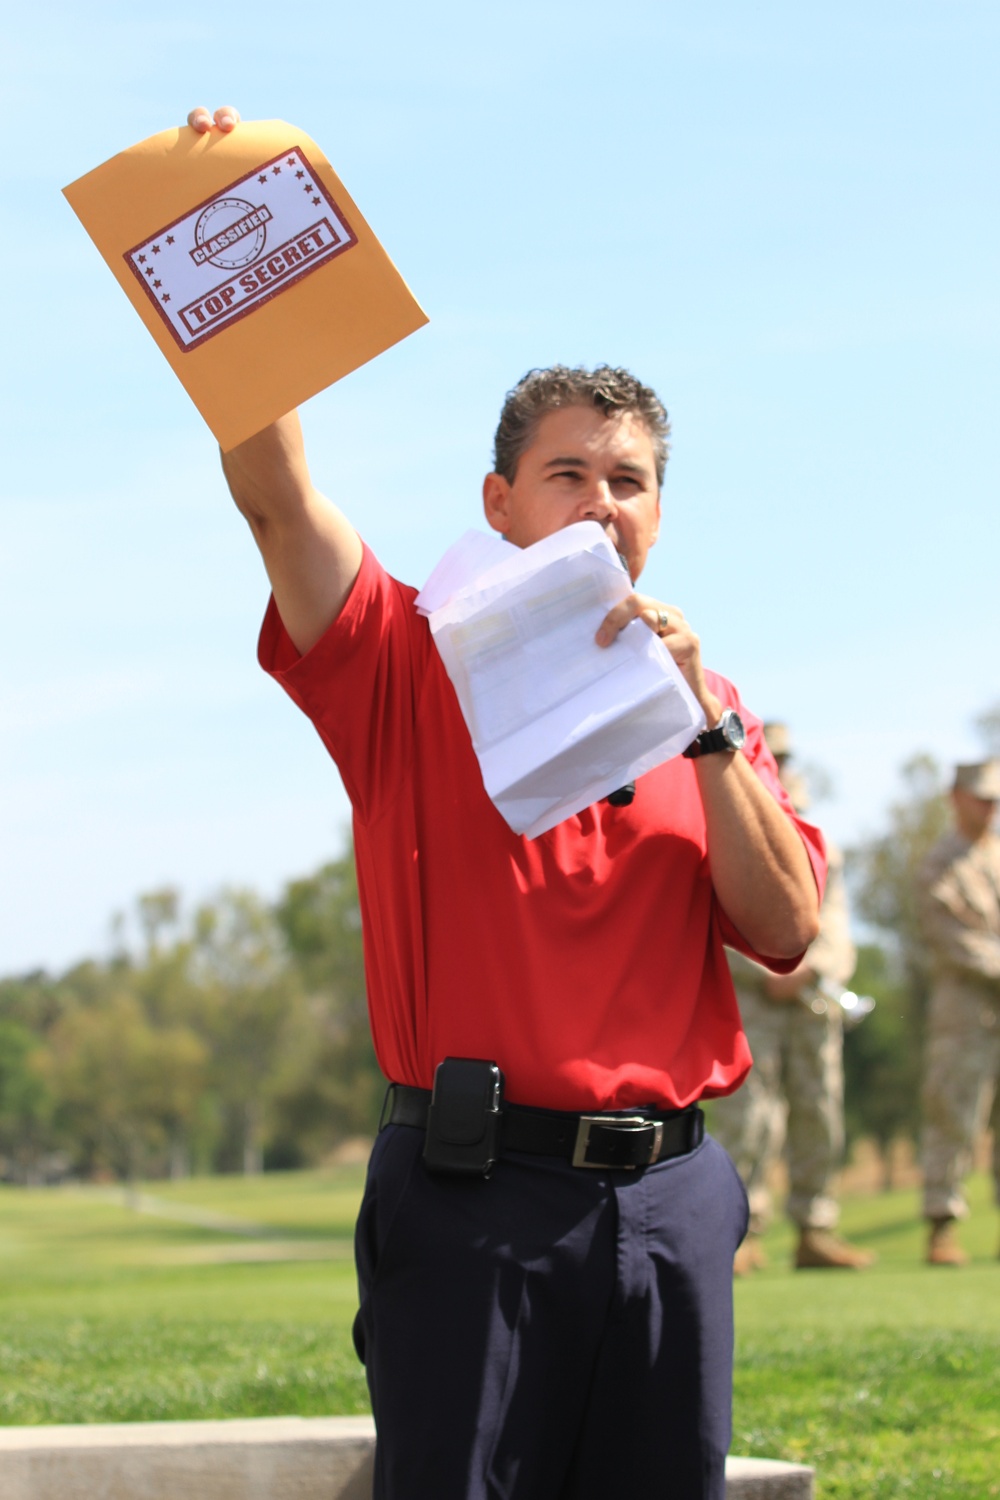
(496, 502)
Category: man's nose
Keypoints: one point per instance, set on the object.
(598, 504)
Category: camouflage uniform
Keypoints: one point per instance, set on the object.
(960, 920)
(796, 1085)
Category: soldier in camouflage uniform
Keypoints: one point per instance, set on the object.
(959, 886)
(795, 1090)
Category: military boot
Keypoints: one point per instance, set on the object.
(819, 1250)
(943, 1248)
(749, 1257)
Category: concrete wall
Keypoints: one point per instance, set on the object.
(268, 1458)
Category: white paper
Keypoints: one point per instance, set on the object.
(557, 722)
(470, 557)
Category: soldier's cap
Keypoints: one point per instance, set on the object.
(778, 739)
(981, 778)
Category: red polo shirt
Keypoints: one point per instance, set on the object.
(587, 962)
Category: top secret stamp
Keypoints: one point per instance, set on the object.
(245, 251)
(252, 241)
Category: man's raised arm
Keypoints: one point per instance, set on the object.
(311, 551)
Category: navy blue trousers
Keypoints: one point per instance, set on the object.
(551, 1332)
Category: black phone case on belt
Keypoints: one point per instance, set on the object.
(463, 1122)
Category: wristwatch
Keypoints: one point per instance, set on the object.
(728, 734)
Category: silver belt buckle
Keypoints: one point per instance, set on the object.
(583, 1140)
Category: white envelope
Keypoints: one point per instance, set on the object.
(557, 722)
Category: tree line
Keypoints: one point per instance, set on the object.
(231, 1040)
(236, 1038)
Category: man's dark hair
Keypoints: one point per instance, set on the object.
(614, 392)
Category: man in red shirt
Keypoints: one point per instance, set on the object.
(563, 1325)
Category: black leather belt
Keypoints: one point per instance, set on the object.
(626, 1140)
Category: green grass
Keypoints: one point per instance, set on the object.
(108, 1315)
(887, 1382)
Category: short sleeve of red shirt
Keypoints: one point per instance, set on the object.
(360, 683)
(587, 962)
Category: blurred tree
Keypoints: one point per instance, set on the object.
(157, 971)
(882, 1059)
(25, 1104)
(335, 1087)
(235, 1037)
(882, 1056)
(252, 998)
(123, 1087)
(158, 912)
(34, 1000)
(883, 869)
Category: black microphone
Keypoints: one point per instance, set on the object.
(625, 795)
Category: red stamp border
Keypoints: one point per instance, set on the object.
(306, 270)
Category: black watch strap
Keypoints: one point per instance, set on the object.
(728, 734)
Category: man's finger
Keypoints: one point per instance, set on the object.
(227, 118)
(615, 620)
(199, 119)
(660, 619)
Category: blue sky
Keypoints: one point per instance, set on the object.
(783, 217)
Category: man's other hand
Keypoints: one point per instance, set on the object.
(225, 119)
(667, 622)
(760, 869)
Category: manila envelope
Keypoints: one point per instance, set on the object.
(249, 263)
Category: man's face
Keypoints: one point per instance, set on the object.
(973, 814)
(582, 466)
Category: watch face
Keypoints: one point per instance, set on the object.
(732, 728)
